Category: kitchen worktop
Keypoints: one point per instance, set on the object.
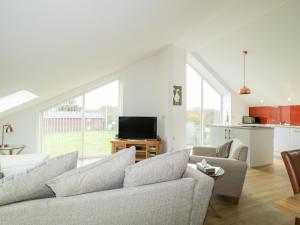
(263, 140)
(254, 126)
(259, 139)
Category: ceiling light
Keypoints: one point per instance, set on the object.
(261, 101)
(16, 99)
(245, 90)
(289, 99)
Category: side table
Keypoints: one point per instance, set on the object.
(219, 174)
(12, 149)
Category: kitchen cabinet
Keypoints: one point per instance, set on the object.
(286, 138)
(282, 140)
(220, 135)
(260, 142)
(279, 138)
(294, 138)
(242, 134)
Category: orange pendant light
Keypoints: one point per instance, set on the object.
(245, 90)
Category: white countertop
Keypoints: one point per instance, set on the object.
(254, 126)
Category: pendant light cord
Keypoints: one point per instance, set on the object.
(244, 70)
(245, 53)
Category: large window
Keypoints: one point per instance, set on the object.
(86, 123)
(204, 108)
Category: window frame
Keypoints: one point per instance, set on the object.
(203, 79)
(81, 93)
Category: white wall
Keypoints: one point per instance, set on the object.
(25, 124)
(146, 88)
(176, 122)
(232, 101)
(238, 108)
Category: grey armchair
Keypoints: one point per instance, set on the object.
(235, 166)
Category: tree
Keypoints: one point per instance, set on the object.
(69, 106)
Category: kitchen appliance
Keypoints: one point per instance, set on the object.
(251, 120)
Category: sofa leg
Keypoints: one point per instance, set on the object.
(235, 200)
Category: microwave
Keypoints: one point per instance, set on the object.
(251, 120)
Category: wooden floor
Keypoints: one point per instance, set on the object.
(262, 187)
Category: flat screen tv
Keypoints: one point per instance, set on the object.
(133, 127)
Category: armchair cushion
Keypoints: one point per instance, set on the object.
(238, 150)
(223, 150)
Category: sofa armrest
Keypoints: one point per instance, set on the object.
(204, 151)
(232, 182)
(222, 162)
(202, 194)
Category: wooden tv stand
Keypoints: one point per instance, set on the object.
(144, 148)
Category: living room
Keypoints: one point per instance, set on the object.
(151, 93)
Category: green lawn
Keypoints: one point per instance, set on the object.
(95, 142)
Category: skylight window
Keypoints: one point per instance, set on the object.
(16, 99)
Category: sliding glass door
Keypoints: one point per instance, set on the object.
(101, 107)
(204, 108)
(212, 110)
(86, 123)
(194, 107)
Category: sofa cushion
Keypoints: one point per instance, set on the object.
(31, 184)
(105, 174)
(165, 167)
(223, 151)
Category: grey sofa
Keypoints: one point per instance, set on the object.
(235, 166)
(178, 202)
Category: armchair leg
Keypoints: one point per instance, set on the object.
(235, 200)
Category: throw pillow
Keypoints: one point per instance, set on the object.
(165, 167)
(31, 184)
(105, 174)
(224, 150)
(236, 148)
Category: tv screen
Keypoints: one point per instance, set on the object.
(137, 127)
